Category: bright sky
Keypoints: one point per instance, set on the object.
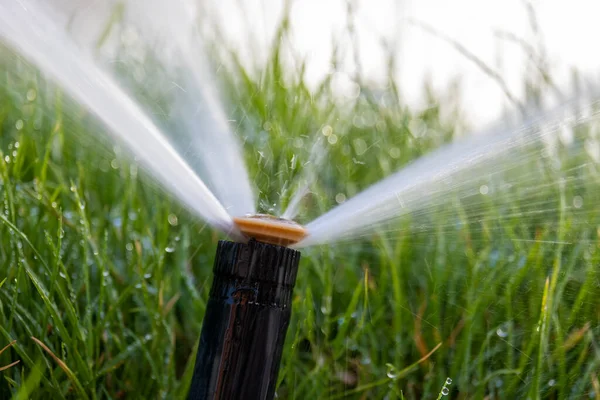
(568, 31)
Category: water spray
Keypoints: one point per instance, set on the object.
(248, 312)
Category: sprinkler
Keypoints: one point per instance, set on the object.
(248, 312)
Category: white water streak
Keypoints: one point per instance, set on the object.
(427, 181)
(171, 27)
(309, 177)
(29, 27)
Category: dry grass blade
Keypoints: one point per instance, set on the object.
(13, 363)
(64, 367)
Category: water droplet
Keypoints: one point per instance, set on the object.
(14, 153)
(54, 204)
(138, 286)
(445, 391)
(147, 337)
(61, 233)
(448, 381)
(577, 201)
(17, 144)
(501, 333)
(82, 206)
(395, 152)
(551, 382)
(129, 246)
(105, 274)
(19, 124)
(147, 276)
(7, 159)
(483, 189)
(592, 147)
(340, 198)
(327, 130)
(298, 143)
(62, 275)
(360, 146)
(31, 94)
(332, 139)
(114, 164)
(169, 249)
(565, 134)
(173, 220)
(391, 372)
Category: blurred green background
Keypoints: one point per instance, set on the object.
(104, 277)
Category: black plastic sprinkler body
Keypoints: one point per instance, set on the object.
(248, 313)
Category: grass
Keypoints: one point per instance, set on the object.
(104, 278)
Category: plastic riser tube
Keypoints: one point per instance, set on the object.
(246, 321)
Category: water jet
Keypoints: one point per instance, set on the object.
(248, 312)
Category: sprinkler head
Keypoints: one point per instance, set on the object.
(270, 229)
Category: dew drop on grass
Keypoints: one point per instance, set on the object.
(327, 130)
(445, 391)
(105, 274)
(340, 198)
(391, 372)
(395, 152)
(54, 204)
(577, 201)
(551, 382)
(501, 333)
(448, 381)
(173, 220)
(31, 94)
(170, 249)
(73, 188)
(483, 189)
(332, 139)
(19, 124)
(138, 286)
(61, 233)
(7, 159)
(147, 276)
(293, 162)
(360, 146)
(129, 246)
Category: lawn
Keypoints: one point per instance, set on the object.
(104, 277)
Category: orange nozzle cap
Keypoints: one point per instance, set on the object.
(270, 229)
